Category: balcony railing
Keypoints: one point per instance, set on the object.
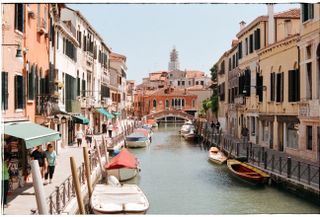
(239, 100)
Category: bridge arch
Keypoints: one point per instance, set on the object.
(170, 116)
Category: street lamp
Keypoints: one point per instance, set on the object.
(19, 51)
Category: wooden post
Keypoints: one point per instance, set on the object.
(289, 167)
(299, 168)
(88, 170)
(309, 174)
(38, 188)
(100, 160)
(265, 160)
(272, 163)
(106, 149)
(58, 200)
(76, 184)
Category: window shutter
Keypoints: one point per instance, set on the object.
(298, 84)
(22, 92)
(290, 85)
(272, 85)
(282, 87)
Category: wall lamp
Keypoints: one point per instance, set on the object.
(19, 51)
(264, 88)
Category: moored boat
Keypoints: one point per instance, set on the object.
(186, 128)
(123, 166)
(118, 199)
(247, 173)
(190, 135)
(217, 156)
(146, 132)
(152, 122)
(137, 140)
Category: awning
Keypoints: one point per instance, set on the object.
(80, 119)
(117, 113)
(105, 113)
(32, 134)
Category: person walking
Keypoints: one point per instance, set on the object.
(245, 134)
(5, 181)
(89, 134)
(39, 155)
(79, 136)
(110, 127)
(51, 157)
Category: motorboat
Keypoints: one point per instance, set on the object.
(190, 135)
(146, 132)
(186, 128)
(217, 156)
(247, 172)
(137, 140)
(148, 127)
(123, 166)
(116, 198)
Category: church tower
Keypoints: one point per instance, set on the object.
(174, 62)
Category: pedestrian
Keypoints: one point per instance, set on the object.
(89, 134)
(110, 127)
(212, 125)
(38, 154)
(79, 136)
(245, 134)
(5, 181)
(51, 157)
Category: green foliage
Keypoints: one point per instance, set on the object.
(214, 71)
(215, 104)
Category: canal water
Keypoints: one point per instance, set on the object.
(177, 178)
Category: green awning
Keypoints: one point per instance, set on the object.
(32, 134)
(117, 113)
(105, 113)
(80, 119)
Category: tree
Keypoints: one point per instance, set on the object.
(215, 95)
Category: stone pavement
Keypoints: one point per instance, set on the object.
(23, 199)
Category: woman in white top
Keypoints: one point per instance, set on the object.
(79, 136)
(110, 127)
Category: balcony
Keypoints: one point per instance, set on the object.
(309, 108)
(89, 58)
(45, 105)
(239, 100)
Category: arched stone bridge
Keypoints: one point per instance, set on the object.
(169, 113)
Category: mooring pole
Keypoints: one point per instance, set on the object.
(88, 170)
(76, 184)
(38, 188)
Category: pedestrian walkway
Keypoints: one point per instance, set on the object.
(24, 200)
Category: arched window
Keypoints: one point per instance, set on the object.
(176, 102)
(167, 103)
(182, 103)
(154, 103)
(172, 103)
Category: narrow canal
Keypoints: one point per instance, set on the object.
(177, 178)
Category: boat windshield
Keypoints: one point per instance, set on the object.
(136, 139)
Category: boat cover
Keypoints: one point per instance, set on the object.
(151, 121)
(123, 159)
(142, 130)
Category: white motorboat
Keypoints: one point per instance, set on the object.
(186, 128)
(190, 135)
(123, 166)
(137, 140)
(146, 132)
(216, 156)
(116, 198)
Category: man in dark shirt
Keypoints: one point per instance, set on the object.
(39, 155)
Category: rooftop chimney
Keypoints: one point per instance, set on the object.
(242, 25)
(270, 24)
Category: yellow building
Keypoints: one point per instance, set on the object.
(309, 112)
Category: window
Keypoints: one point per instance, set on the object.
(309, 137)
(292, 136)
(307, 12)
(182, 83)
(287, 28)
(19, 91)
(221, 91)
(69, 49)
(19, 17)
(83, 88)
(229, 64)
(294, 85)
(57, 40)
(309, 81)
(154, 103)
(233, 61)
(253, 126)
(259, 89)
(257, 39)
(246, 46)
(308, 52)
(272, 86)
(4, 91)
(240, 50)
(193, 103)
(279, 88)
(178, 83)
(31, 82)
(182, 102)
(167, 103)
(172, 103)
(78, 85)
(251, 43)
(202, 82)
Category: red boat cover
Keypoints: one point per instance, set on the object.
(123, 159)
(141, 130)
(151, 121)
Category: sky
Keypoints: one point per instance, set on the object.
(146, 33)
